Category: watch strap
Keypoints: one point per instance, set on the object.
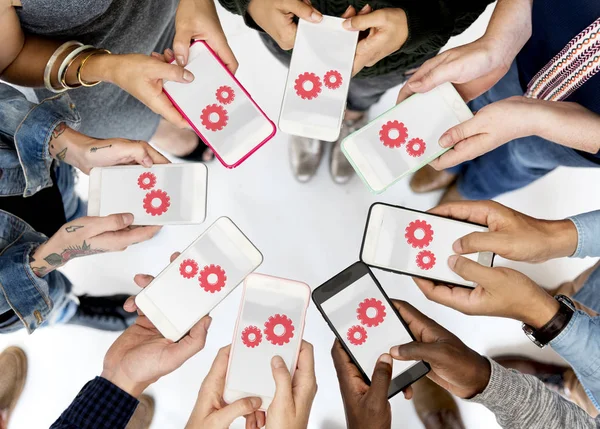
(554, 327)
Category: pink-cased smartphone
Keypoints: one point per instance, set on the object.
(270, 322)
(219, 109)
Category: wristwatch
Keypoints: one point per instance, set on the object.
(541, 337)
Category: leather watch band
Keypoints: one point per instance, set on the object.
(541, 337)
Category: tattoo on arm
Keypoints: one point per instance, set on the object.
(73, 228)
(60, 128)
(96, 149)
(55, 260)
(61, 155)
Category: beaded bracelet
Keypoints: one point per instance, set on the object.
(67, 62)
(80, 68)
(50, 65)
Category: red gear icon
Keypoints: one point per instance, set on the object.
(225, 94)
(251, 336)
(165, 202)
(188, 268)
(417, 143)
(357, 335)
(412, 239)
(384, 134)
(272, 323)
(308, 94)
(425, 260)
(365, 319)
(208, 123)
(218, 284)
(333, 79)
(147, 180)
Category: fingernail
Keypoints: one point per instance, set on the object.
(127, 218)
(385, 358)
(147, 161)
(365, 7)
(188, 76)
(452, 261)
(180, 60)
(315, 17)
(171, 53)
(347, 24)
(255, 402)
(277, 362)
(445, 140)
(395, 352)
(457, 246)
(347, 9)
(414, 83)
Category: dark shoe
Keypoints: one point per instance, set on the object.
(201, 153)
(340, 168)
(305, 157)
(13, 373)
(142, 418)
(553, 376)
(103, 312)
(435, 406)
(428, 179)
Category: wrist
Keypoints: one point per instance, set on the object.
(99, 68)
(543, 310)
(123, 382)
(66, 146)
(482, 377)
(562, 238)
(37, 263)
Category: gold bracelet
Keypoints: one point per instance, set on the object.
(68, 62)
(80, 69)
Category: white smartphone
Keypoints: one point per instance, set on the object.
(419, 244)
(219, 109)
(318, 80)
(199, 279)
(270, 322)
(164, 194)
(367, 324)
(405, 138)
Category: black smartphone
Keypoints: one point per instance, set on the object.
(367, 324)
(412, 242)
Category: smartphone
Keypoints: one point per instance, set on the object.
(318, 80)
(164, 194)
(199, 279)
(367, 324)
(270, 322)
(219, 109)
(405, 138)
(408, 241)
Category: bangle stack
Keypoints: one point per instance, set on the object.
(66, 64)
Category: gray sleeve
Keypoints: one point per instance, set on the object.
(523, 402)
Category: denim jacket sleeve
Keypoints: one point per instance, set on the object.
(578, 344)
(25, 132)
(588, 230)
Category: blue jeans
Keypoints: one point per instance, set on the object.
(517, 163)
(66, 177)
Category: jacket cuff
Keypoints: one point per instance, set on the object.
(588, 231)
(33, 135)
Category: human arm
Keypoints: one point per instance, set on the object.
(476, 67)
(10, 33)
(565, 123)
(518, 401)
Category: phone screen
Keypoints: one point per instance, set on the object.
(405, 138)
(203, 275)
(368, 326)
(218, 109)
(160, 195)
(270, 323)
(318, 79)
(416, 243)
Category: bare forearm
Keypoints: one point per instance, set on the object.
(510, 27)
(10, 34)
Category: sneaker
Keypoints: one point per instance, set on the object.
(340, 168)
(13, 372)
(142, 417)
(103, 312)
(305, 157)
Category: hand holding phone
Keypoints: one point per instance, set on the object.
(419, 244)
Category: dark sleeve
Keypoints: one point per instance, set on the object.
(432, 22)
(99, 405)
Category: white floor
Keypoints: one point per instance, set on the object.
(306, 232)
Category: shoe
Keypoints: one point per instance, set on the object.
(142, 417)
(553, 376)
(103, 312)
(340, 168)
(435, 406)
(13, 373)
(428, 179)
(305, 157)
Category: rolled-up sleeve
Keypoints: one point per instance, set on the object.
(588, 230)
